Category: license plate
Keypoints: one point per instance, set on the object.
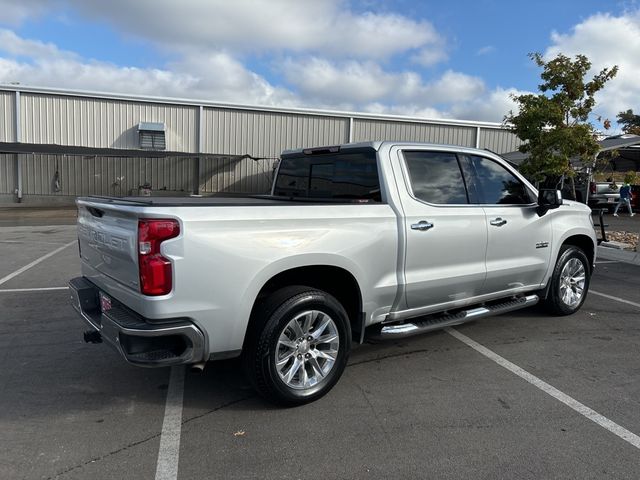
(611, 200)
(105, 302)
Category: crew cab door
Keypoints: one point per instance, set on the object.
(445, 236)
(519, 241)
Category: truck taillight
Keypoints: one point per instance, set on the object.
(155, 270)
(592, 187)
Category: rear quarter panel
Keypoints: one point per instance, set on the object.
(225, 255)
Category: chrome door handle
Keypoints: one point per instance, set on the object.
(422, 225)
(498, 222)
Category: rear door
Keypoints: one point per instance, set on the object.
(519, 241)
(446, 237)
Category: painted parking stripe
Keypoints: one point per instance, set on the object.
(43, 289)
(570, 402)
(617, 299)
(168, 455)
(35, 262)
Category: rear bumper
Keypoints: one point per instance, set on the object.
(172, 342)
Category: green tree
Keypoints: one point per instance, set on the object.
(629, 121)
(554, 123)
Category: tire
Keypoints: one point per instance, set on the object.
(292, 365)
(569, 282)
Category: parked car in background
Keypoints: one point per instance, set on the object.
(604, 195)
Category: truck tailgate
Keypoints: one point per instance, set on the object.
(108, 241)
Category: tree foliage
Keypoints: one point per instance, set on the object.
(629, 121)
(554, 123)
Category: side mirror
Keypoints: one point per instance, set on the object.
(548, 200)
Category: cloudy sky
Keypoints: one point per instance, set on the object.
(459, 59)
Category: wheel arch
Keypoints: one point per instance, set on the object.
(584, 243)
(335, 280)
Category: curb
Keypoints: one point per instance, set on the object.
(619, 255)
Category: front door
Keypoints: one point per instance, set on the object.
(519, 241)
(446, 237)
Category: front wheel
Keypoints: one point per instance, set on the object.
(303, 347)
(569, 282)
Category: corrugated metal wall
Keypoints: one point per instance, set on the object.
(498, 140)
(101, 122)
(95, 121)
(78, 175)
(7, 174)
(7, 116)
(267, 134)
(414, 132)
(235, 175)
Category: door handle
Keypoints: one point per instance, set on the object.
(422, 225)
(498, 222)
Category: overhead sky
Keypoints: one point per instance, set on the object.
(457, 59)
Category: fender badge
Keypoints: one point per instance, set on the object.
(542, 244)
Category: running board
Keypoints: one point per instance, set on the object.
(417, 327)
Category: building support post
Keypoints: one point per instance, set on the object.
(200, 146)
(350, 136)
(18, 134)
(477, 137)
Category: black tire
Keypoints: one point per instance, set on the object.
(556, 303)
(274, 317)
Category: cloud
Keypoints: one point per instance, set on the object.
(42, 64)
(15, 12)
(321, 27)
(491, 107)
(311, 82)
(607, 40)
(486, 50)
(363, 83)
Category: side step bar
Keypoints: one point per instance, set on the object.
(429, 324)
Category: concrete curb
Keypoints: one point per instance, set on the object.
(619, 255)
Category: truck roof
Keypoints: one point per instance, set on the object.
(375, 145)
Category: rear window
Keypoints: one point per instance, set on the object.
(347, 176)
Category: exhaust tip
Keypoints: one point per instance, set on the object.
(92, 336)
(197, 367)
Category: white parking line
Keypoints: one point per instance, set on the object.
(168, 455)
(617, 299)
(43, 289)
(592, 415)
(34, 263)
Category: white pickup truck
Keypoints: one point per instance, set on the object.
(377, 239)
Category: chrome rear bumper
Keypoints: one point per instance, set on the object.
(139, 342)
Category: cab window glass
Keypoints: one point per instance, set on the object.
(494, 184)
(435, 177)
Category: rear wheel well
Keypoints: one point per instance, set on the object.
(584, 243)
(336, 281)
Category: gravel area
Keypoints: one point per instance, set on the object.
(624, 237)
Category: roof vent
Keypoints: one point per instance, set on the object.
(151, 136)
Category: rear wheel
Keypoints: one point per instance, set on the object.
(303, 347)
(569, 282)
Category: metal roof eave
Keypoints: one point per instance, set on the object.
(55, 149)
(236, 106)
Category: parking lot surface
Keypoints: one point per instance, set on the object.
(426, 407)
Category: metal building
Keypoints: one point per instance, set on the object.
(57, 144)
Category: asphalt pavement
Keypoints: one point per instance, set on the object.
(426, 407)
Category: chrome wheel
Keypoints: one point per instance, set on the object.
(307, 349)
(572, 282)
